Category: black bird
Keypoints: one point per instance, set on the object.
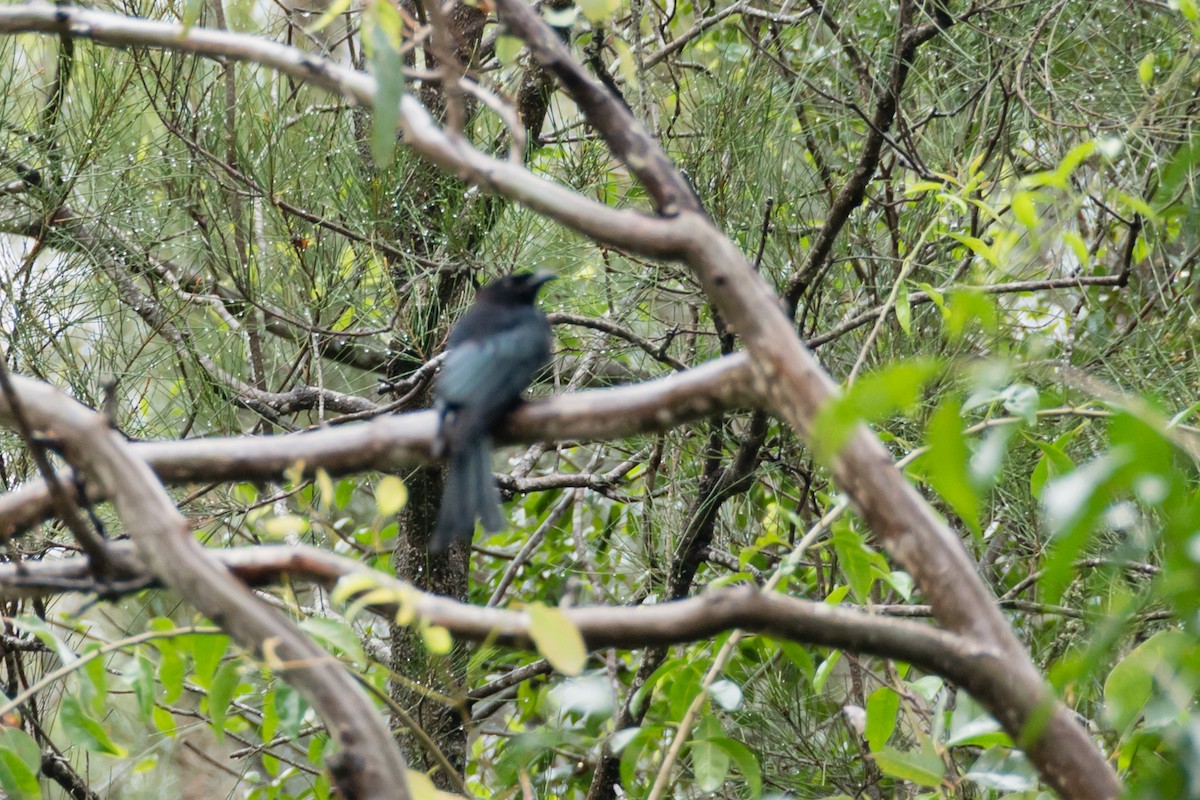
(495, 351)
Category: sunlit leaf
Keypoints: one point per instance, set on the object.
(437, 639)
(556, 638)
(1146, 68)
(391, 495)
(420, 787)
(284, 527)
(883, 707)
(1025, 210)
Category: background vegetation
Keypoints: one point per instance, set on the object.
(989, 237)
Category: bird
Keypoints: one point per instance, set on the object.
(493, 353)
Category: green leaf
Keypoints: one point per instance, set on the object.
(923, 767)
(84, 731)
(710, 762)
(978, 247)
(23, 746)
(164, 721)
(207, 652)
(935, 296)
(1079, 248)
(1138, 206)
(645, 740)
(170, 671)
(965, 306)
(825, 671)
(284, 527)
(139, 674)
(971, 725)
(508, 48)
(1024, 209)
(1074, 157)
(836, 595)
(438, 640)
(1130, 685)
(1054, 461)
(919, 187)
(744, 759)
(383, 26)
(325, 489)
(883, 708)
(93, 682)
(682, 689)
(21, 761)
(420, 787)
(47, 636)
(904, 311)
(220, 695)
(1146, 68)
(337, 635)
(598, 11)
(391, 495)
(1072, 504)
(335, 9)
(626, 62)
(270, 717)
(856, 560)
(556, 638)
(17, 777)
(191, 13)
(1188, 9)
(291, 707)
(871, 398)
(1003, 770)
(344, 493)
(800, 658)
(947, 464)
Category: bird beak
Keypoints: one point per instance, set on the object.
(543, 277)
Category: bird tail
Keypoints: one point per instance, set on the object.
(469, 494)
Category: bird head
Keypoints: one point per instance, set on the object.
(518, 287)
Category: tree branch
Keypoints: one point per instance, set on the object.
(393, 443)
(368, 764)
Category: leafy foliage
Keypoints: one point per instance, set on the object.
(1012, 306)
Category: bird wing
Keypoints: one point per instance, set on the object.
(487, 375)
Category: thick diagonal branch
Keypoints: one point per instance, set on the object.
(368, 763)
